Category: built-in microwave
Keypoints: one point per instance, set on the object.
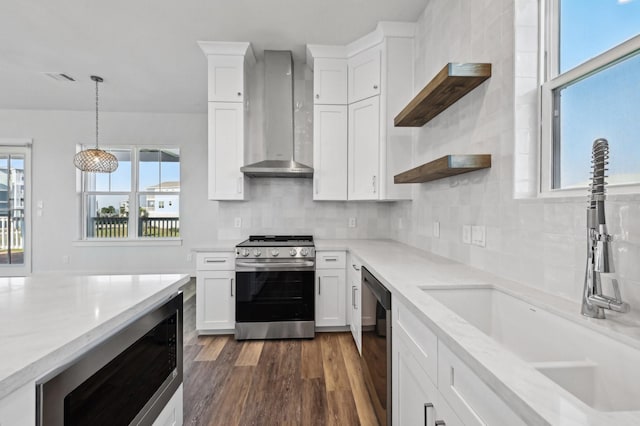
(126, 379)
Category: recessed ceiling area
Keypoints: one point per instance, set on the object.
(146, 50)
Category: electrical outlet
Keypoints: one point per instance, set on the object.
(189, 257)
(466, 234)
(66, 259)
(436, 229)
(352, 222)
(237, 222)
(478, 236)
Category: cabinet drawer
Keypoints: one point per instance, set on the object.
(218, 261)
(472, 400)
(423, 338)
(330, 259)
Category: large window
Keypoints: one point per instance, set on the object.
(141, 199)
(592, 90)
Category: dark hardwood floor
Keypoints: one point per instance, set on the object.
(273, 382)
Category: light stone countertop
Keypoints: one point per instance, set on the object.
(217, 246)
(48, 320)
(404, 270)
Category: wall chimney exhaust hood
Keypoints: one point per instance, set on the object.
(278, 98)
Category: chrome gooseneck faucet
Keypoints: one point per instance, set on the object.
(599, 255)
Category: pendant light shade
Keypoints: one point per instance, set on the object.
(95, 160)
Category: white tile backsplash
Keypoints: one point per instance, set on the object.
(540, 242)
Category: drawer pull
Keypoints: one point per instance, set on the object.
(355, 267)
(440, 423)
(216, 261)
(426, 412)
(319, 286)
(330, 259)
(231, 287)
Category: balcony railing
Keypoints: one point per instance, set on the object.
(118, 227)
(11, 229)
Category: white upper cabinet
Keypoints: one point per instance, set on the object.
(226, 151)
(364, 138)
(330, 152)
(228, 65)
(330, 81)
(226, 78)
(364, 75)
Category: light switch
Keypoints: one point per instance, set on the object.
(237, 222)
(478, 236)
(352, 222)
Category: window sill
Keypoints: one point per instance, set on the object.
(138, 242)
(614, 192)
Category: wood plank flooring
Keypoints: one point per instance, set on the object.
(273, 382)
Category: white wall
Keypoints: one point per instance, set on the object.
(538, 242)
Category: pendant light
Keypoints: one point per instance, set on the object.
(96, 160)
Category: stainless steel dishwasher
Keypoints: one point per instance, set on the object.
(376, 349)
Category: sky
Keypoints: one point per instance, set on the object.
(606, 104)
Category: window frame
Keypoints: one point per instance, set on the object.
(553, 80)
(133, 195)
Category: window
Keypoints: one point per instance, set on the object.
(129, 203)
(592, 90)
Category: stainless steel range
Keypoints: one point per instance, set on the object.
(275, 279)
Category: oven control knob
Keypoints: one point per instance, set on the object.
(257, 253)
(244, 252)
(304, 252)
(275, 252)
(293, 252)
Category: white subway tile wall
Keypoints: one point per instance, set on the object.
(540, 242)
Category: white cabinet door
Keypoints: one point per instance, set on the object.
(226, 151)
(19, 407)
(330, 298)
(330, 81)
(416, 400)
(364, 75)
(364, 139)
(330, 152)
(215, 300)
(172, 413)
(354, 299)
(226, 78)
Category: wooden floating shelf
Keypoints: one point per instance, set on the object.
(450, 84)
(449, 165)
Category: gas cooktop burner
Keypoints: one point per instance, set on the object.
(276, 246)
(278, 241)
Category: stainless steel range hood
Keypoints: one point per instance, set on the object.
(278, 97)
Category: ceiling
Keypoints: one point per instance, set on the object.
(146, 50)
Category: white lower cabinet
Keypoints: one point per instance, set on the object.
(354, 299)
(432, 386)
(172, 413)
(330, 289)
(330, 298)
(215, 292)
(19, 407)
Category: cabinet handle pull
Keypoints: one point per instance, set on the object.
(440, 423)
(215, 260)
(355, 298)
(316, 183)
(373, 182)
(330, 259)
(319, 286)
(426, 412)
(355, 267)
(231, 282)
(239, 185)
(375, 87)
(239, 93)
(317, 96)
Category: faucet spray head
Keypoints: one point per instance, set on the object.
(599, 161)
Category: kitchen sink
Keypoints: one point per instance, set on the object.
(600, 371)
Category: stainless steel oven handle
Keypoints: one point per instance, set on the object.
(319, 286)
(275, 264)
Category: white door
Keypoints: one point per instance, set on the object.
(330, 297)
(226, 151)
(215, 300)
(364, 75)
(364, 141)
(226, 78)
(330, 81)
(330, 152)
(14, 210)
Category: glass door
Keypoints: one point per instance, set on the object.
(13, 204)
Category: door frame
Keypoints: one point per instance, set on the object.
(21, 146)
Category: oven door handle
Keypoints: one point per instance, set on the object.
(261, 265)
